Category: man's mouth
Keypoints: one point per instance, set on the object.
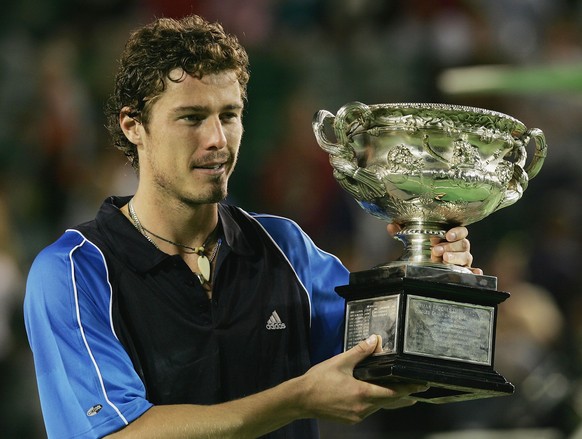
(214, 163)
(211, 167)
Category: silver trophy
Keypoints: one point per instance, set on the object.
(428, 167)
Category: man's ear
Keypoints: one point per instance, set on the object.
(131, 127)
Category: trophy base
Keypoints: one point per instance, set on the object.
(447, 383)
(433, 272)
(437, 328)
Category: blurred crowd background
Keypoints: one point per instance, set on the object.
(57, 62)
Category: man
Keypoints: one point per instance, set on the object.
(173, 315)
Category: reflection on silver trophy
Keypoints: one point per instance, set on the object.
(428, 167)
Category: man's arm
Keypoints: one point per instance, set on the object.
(327, 391)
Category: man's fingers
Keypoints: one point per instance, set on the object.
(395, 393)
(462, 259)
(362, 350)
(456, 249)
(400, 403)
(476, 270)
(456, 233)
(393, 228)
(378, 349)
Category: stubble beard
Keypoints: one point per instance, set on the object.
(215, 192)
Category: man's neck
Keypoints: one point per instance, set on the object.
(178, 222)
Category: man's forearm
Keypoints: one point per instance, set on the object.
(327, 390)
(248, 417)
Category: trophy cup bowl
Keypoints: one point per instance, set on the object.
(428, 167)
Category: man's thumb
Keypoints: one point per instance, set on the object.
(362, 349)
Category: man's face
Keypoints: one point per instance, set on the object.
(191, 143)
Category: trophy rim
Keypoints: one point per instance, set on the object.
(520, 127)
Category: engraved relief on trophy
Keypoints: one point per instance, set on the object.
(400, 160)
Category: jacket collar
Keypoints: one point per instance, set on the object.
(137, 252)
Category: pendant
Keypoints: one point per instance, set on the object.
(204, 266)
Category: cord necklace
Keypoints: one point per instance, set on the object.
(204, 262)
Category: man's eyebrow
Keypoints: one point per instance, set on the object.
(204, 108)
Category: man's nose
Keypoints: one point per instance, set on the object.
(215, 135)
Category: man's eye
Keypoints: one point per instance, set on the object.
(193, 118)
(229, 116)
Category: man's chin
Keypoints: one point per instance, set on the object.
(212, 198)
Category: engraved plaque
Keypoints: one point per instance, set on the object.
(449, 330)
(373, 316)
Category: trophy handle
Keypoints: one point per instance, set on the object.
(521, 176)
(321, 118)
(540, 153)
(362, 183)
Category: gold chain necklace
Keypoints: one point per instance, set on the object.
(204, 262)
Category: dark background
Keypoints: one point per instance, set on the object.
(57, 61)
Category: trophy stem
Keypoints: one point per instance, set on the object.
(418, 238)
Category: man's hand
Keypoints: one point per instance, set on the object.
(331, 391)
(455, 249)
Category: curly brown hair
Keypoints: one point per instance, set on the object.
(152, 52)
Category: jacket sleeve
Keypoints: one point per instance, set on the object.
(325, 272)
(88, 387)
(319, 272)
